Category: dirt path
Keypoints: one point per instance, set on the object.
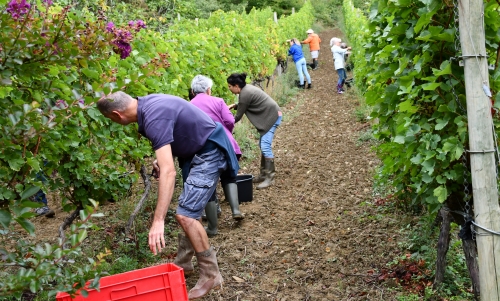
(314, 235)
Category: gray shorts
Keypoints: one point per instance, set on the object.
(315, 54)
(201, 182)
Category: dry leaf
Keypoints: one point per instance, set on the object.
(238, 279)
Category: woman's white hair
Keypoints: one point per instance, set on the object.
(200, 84)
(334, 41)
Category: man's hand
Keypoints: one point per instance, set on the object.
(156, 236)
(234, 106)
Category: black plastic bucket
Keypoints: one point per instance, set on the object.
(245, 188)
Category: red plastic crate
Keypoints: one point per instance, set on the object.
(158, 283)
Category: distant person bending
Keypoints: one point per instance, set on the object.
(339, 62)
(300, 62)
(313, 40)
(265, 114)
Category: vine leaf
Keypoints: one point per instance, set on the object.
(29, 192)
(441, 193)
(431, 86)
(26, 224)
(5, 218)
(407, 106)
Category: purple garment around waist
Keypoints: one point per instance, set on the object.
(217, 109)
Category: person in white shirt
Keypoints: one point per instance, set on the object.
(339, 62)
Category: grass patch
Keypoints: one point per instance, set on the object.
(366, 137)
(362, 113)
(284, 88)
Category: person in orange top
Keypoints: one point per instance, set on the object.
(313, 40)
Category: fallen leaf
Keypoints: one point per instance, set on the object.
(238, 279)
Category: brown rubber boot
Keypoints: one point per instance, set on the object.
(231, 193)
(269, 174)
(210, 277)
(261, 177)
(185, 253)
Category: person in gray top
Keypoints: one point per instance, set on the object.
(265, 114)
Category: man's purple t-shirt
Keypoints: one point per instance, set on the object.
(167, 119)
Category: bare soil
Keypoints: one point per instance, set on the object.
(317, 233)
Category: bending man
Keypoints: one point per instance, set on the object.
(177, 128)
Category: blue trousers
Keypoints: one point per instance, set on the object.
(302, 69)
(342, 77)
(266, 140)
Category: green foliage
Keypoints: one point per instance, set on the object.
(50, 77)
(248, 43)
(45, 267)
(327, 11)
(282, 7)
(402, 56)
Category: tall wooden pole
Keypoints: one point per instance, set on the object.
(483, 165)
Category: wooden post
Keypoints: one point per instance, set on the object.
(442, 246)
(178, 16)
(483, 165)
(196, 21)
(276, 17)
(293, 10)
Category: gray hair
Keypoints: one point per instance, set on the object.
(296, 41)
(334, 41)
(200, 84)
(117, 101)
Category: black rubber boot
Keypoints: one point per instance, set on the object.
(270, 172)
(231, 193)
(261, 177)
(303, 86)
(212, 218)
(309, 86)
(315, 65)
(219, 210)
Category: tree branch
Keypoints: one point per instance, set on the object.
(68, 221)
(144, 197)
